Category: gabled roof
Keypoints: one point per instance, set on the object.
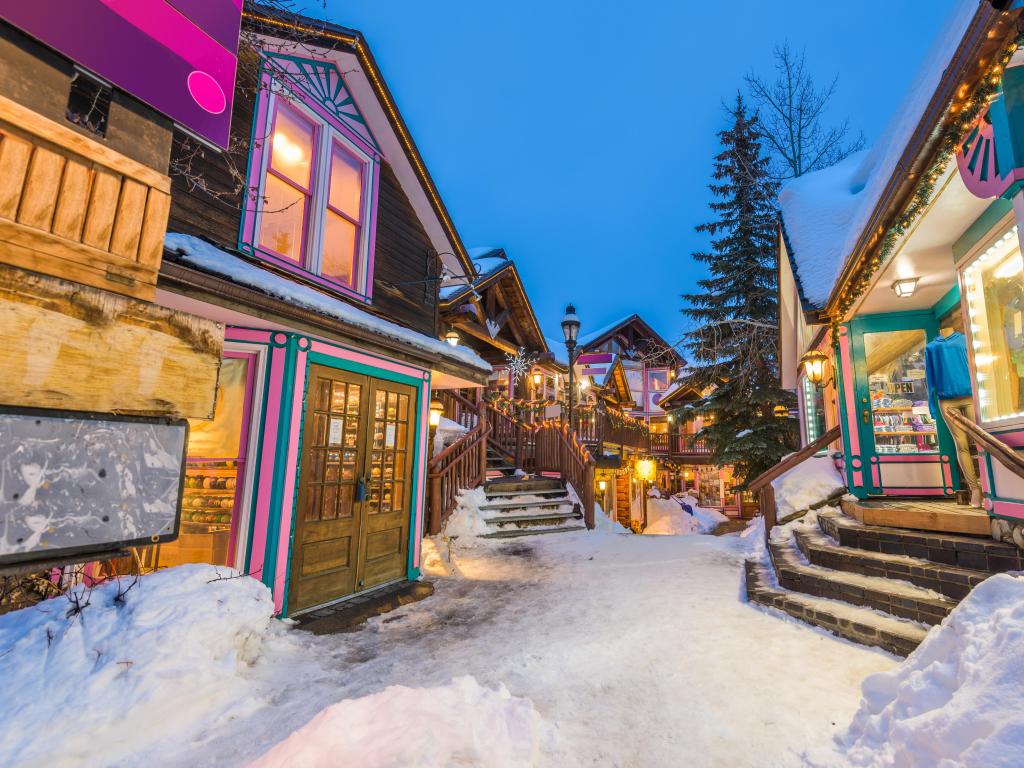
(677, 395)
(831, 217)
(595, 338)
(279, 23)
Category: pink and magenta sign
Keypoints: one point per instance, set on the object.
(178, 56)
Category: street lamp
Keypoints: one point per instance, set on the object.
(571, 330)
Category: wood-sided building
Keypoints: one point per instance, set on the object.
(319, 240)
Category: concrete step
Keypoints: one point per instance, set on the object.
(860, 625)
(549, 518)
(559, 492)
(515, 533)
(971, 552)
(526, 485)
(892, 596)
(543, 504)
(950, 580)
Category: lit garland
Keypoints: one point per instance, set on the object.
(948, 143)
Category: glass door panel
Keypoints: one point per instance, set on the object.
(898, 391)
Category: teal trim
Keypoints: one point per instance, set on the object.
(256, 458)
(947, 303)
(981, 227)
(412, 572)
(347, 365)
(925, 320)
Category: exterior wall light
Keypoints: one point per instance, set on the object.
(815, 364)
(905, 288)
(452, 337)
(436, 409)
(645, 469)
(536, 379)
(602, 485)
(781, 411)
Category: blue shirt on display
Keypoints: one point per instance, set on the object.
(945, 366)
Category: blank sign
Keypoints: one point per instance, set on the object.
(79, 483)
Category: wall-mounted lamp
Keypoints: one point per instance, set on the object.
(905, 288)
(536, 379)
(452, 337)
(602, 485)
(645, 469)
(436, 409)
(815, 365)
(781, 411)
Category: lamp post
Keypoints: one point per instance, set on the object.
(571, 330)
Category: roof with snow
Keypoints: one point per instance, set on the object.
(636, 328)
(824, 213)
(206, 257)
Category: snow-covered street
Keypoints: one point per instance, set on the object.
(635, 651)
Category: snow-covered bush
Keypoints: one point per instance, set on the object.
(668, 517)
(165, 652)
(958, 700)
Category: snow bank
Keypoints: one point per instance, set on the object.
(958, 700)
(448, 432)
(461, 723)
(809, 482)
(168, 653)
(466, 523)
(666, 517)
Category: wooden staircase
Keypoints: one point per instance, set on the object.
(521, 506)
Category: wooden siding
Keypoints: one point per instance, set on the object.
(71, 207)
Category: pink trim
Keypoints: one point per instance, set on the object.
(252, 360)
(421, 480)
(371, 248)
(291, 472)
(914, 492)
(231, 333)
(261, 524)
(357, 357)
(876, 476)
(851, 404)
(858, 478)
(912, 458)
(1008, 508)
(947, 474)
(1013, 439)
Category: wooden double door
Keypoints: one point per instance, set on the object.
(355, 486)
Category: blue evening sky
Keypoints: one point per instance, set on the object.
(578, 134)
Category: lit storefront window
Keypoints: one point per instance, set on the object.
(995, 303)
(814, 410)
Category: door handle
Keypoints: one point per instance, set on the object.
(866, 416)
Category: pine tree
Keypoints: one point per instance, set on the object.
(733, 344)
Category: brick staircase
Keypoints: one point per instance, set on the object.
(873, 584)
(529, 506)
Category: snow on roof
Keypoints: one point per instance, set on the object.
(593, 336)
(209, 258)
(481, 251)
(825, 212)
(558, 351)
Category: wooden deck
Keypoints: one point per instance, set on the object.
(920, 514)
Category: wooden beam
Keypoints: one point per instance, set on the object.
(479, 332)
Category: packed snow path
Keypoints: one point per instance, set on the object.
(636, 650)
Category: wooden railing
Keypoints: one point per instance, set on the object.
(458, 407)
(461, 465)
(597, 427)
(762, 484)
(995, 447)
(556, 449)
(690, 444)
(510, 436)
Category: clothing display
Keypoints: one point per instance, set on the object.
(947, 370)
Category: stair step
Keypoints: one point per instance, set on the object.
(515, 533)
(552, 517)
(895, 597)
(546, 494)
(501, 485)
(543, 504)
(974, 553)
(940, 516)
(861, 625)
(950, 580)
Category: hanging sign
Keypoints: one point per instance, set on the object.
(178, 56)
(594, 363)
(79, 484)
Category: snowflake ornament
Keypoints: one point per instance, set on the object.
(520, 363)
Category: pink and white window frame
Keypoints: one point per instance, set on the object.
(329, 135)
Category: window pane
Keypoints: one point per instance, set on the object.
(292, 147)
(346, 182)
(339, 248)
(995, 303)
(283, 214)
(901, 420)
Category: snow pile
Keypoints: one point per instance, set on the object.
(168, 652)
(209, 258)
(810, 482)
(604, 523)
(448, 432)
(467, 523)
(461, 723)
(958, 700)
(826, 211)
(667, 517)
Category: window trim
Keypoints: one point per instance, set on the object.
(329, 132)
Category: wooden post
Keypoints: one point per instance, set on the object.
(435, 505)
(588, 497)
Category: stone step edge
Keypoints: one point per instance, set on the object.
(859, 625)
(517, 532)
(535, 504)
(896, 598)
(950, 580)
(554, 516)
(950, 549)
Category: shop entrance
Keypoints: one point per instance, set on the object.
(903, 448)
(354, 505)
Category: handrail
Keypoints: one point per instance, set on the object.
(461, 465)
(1006, 456)
(762, 484)
(556, 449)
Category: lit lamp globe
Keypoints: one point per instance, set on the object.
(815, 365)
(452, 338)
(781, 411)
(436, 409)
(645, 469)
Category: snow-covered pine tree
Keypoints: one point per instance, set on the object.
(733, 342)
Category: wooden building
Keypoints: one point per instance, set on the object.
(319, 241)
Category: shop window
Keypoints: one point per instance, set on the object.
(995, 304)
(814, 411)
(315, 198)
(900, 417)
(215, 474)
